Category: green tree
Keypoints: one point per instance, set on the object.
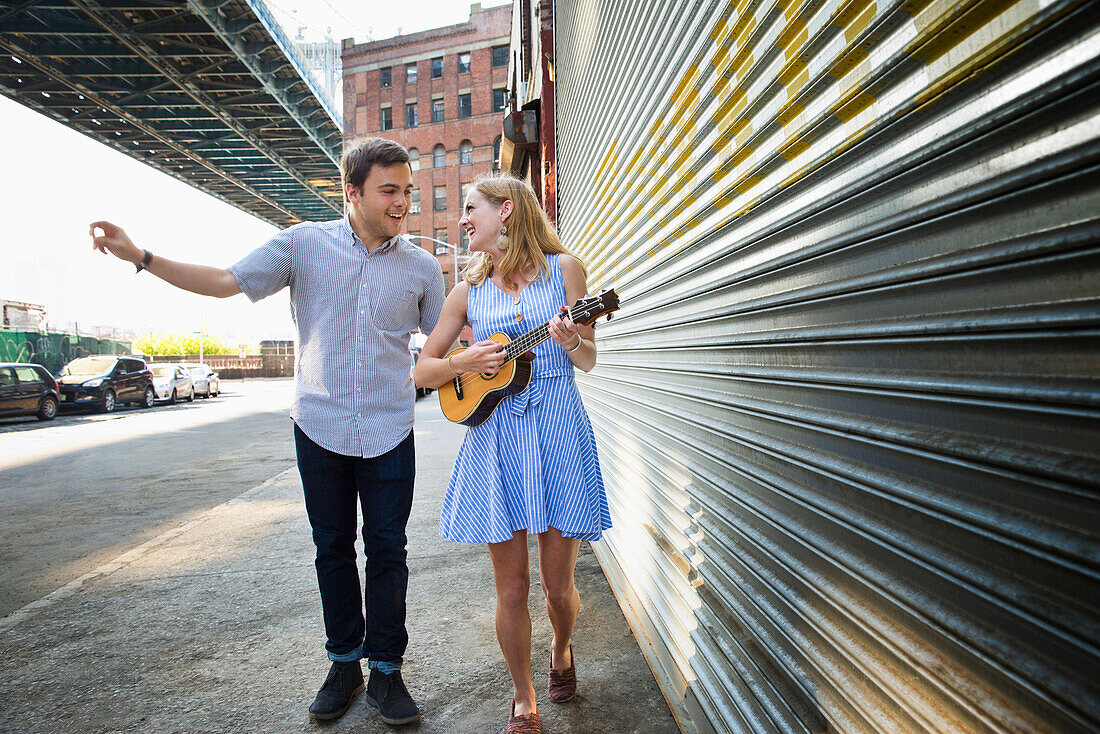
(156, 345)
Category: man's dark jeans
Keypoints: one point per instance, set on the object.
(384, 488)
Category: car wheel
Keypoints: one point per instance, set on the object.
(148, 398)
(191, 397)
(47, 411)
(172, 399)
(109, 402)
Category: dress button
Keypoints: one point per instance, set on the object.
(519, 317)
(517, 300)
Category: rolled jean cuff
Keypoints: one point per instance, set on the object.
(346, 657)
(384, 666)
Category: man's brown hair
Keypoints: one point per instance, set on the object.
(366, 152)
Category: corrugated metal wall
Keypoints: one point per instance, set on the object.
(849, 413)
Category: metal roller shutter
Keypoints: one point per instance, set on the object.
(848, 416)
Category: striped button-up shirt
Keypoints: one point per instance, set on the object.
(354, 313)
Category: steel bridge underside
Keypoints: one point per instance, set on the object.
(201, 90)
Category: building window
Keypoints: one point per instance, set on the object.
(386, 122)
(500, 99)
(410, 114)
(500, 56)
(415, 233)
(385, 76)
(415, 200)
(439, 195)
(439, 157)
(437, 110)
(414, 159)
(437, 68)
(464, 63)
(410, 73)
(440, 234)
(464, 106)
(465, 243)
(465, 154)
(496, 155)
(464, 190)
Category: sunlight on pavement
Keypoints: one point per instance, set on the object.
(76, 432)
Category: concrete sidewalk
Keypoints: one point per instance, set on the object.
(215, 626)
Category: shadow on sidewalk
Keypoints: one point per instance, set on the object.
(217, 628)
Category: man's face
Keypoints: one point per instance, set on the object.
(382, 203)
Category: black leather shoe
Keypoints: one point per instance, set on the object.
(389, 695)
(343, 684)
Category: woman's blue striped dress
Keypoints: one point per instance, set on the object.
(532, 464)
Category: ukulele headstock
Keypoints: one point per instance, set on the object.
(590, 308)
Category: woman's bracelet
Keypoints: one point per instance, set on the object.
(454, 372)
(579, 340)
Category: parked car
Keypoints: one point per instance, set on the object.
(205, 379)
(28, 389)
(104, 382)
(416, 343)
(172, 382)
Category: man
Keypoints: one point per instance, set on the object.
(357, 290)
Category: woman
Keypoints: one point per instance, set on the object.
(531, 467)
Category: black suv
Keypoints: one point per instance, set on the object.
(28, 389)
(106, 381)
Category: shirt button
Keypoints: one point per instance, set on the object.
(359, 415)
(358, 389)
(358, 364)
(360, 310)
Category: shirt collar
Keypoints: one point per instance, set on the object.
(354, 240)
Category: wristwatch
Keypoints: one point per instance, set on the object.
(145, 260)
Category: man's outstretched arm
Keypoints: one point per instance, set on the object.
(201, 279)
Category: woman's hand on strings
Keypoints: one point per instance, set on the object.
(485, 357)
(563, 331)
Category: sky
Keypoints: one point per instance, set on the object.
(56, 181)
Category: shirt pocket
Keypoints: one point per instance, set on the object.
(396, 310)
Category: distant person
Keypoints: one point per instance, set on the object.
(531, 467)
(357, 291)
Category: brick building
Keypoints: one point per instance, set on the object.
(441, 94)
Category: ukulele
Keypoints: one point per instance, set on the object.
(470, 398)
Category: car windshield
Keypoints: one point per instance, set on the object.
(89, 366)
(199, 371)
(162, 370)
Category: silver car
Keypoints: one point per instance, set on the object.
(172, 382)
(205, 379)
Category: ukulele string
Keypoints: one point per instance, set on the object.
(463, 380)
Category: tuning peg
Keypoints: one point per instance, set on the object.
(610, 316)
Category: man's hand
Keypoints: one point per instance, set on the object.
(114, 240)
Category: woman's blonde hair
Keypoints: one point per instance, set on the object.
(530, 234)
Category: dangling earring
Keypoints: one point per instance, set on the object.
(502, 240)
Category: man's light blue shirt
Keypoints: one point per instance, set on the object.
(354, 313)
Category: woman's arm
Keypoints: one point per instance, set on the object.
(432, 369)
(579, 338)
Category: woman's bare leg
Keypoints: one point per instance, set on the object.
(512, 576)
(557, 560)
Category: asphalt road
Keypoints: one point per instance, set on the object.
(78, 491)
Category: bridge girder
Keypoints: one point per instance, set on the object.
(200, 90)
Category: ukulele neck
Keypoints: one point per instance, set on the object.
(524, 344)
